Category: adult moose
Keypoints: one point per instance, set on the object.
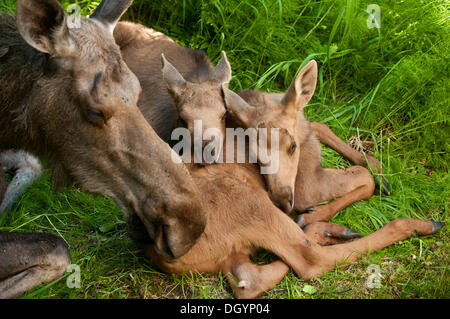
(68, 95)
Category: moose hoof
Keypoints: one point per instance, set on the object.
(350, 234)
(347, 234)
(381, 188)
(436, 226)
(300, 221)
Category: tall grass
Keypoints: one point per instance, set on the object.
(387, 87)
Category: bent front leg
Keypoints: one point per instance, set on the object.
(348, 185)
(326, 136)
(30, 259)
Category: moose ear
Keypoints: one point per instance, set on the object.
(237, 107)
(222, 72)
(173, 79)
(302, 89)
(110, 11)
(42, 24)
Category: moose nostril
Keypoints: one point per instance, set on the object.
(162, 243)
(288, 195)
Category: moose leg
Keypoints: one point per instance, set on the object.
(30, 259)
(308, 259)
(329, 233)
(317, 260)
(326, 136)
(392, 232)
(26, 169)
(249, 280)
(348, 185)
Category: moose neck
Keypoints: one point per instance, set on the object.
(20, 67)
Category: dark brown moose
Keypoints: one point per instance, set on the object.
(66, 94)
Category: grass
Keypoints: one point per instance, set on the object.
(387, 88)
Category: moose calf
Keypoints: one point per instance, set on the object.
(242, 219)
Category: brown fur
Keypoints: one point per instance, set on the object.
(285, 113)
(290, 187)
(315, 184)
(68, 95)
(30, 259)
(198, 97)
(241, 218)
(141, 49)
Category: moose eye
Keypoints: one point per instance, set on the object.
(292, 148)
(96, 117)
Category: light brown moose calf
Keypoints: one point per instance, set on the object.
(313, 183)
(141, 48)
(282, 181)
(241, 218)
